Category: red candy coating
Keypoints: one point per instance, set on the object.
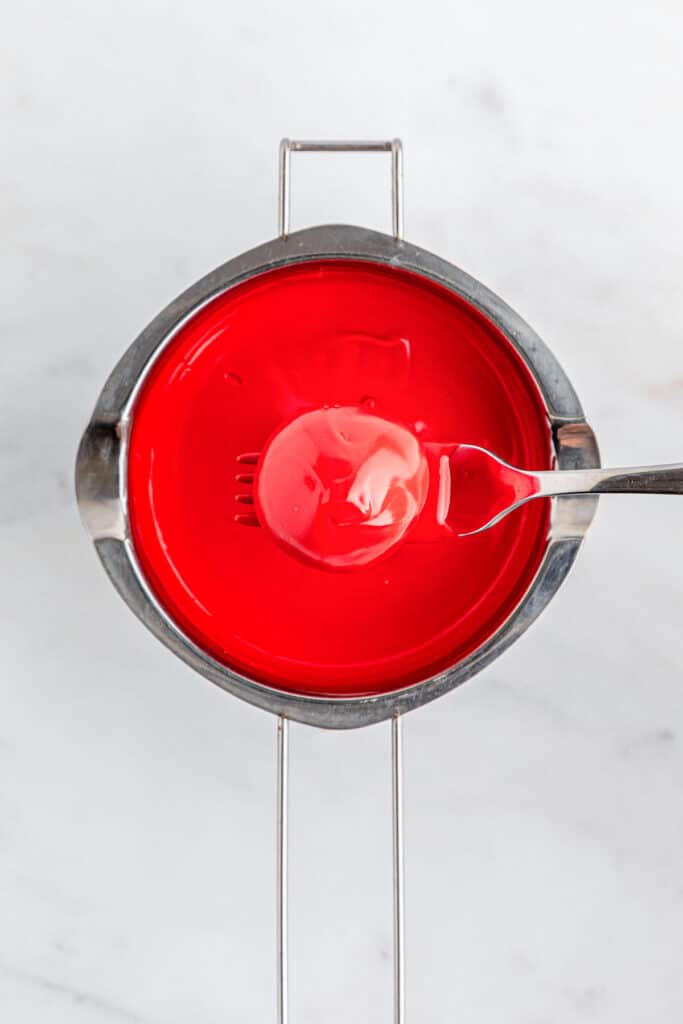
(341, 486)
(290, 342)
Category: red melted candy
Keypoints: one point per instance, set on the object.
(310, 400)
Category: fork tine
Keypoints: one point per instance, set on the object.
(244, 478)
(249, 458)
(246, 520)
(245, 499)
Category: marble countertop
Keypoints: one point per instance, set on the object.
(543, 799)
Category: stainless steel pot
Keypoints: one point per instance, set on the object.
(101, 474)
(102, 459)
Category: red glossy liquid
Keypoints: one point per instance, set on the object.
(290, 342)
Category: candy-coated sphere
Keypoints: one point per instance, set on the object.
(341, 486)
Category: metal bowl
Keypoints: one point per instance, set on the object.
(101, 470)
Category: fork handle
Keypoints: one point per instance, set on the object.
(638, 480)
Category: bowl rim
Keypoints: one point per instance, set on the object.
(101, 470)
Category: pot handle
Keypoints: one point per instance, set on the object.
(393, 146)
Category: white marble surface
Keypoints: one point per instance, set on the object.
(544, 799)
